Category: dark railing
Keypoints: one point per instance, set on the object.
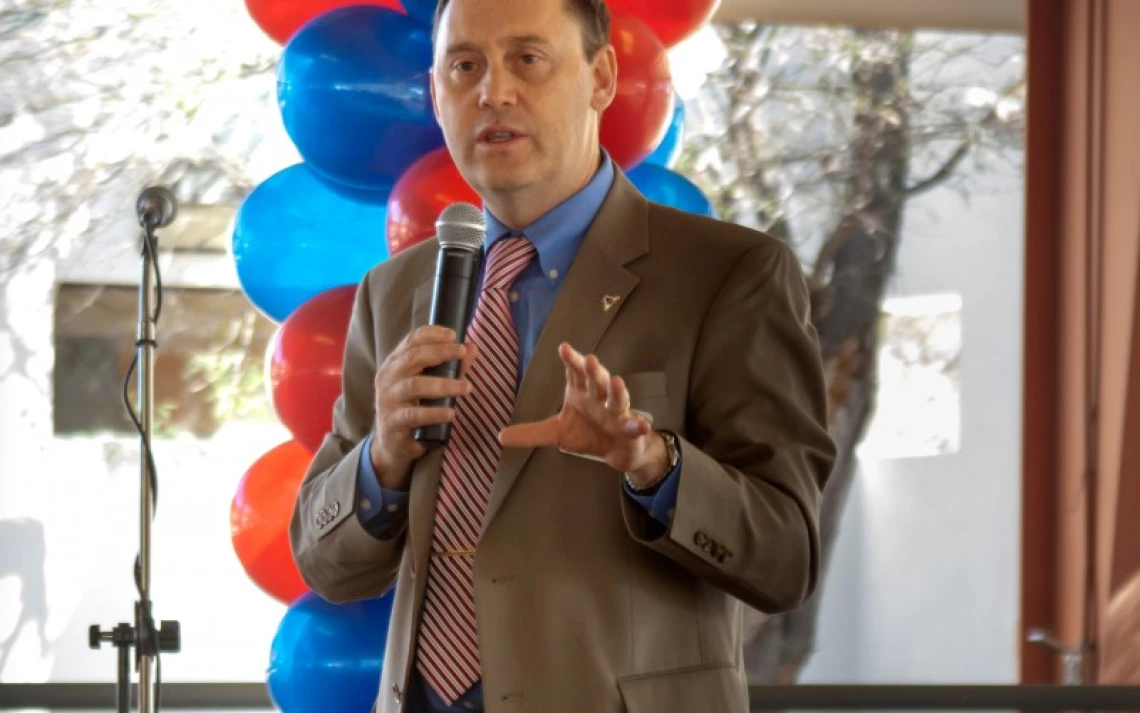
(1025, 698)
(253, 696)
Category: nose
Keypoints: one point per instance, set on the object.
(497, 88)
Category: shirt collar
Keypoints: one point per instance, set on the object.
(557, 234)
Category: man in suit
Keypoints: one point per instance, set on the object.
(639, 437)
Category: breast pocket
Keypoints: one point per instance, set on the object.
(648, 393)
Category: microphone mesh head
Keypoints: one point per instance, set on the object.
(461, 225)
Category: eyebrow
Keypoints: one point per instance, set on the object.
(512, 41)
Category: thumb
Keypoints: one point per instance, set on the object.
(530, 435)
(468, 358)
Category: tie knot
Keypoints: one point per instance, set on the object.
(508, 257)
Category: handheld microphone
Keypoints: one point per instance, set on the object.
(156, 207)
(461, 230)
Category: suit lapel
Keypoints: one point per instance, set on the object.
(597, 287)
(421, 303)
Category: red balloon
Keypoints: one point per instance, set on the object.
(671, 20)
(305, 364)
(281, 18)
(259, 520)
(428, 186)
(642, 108)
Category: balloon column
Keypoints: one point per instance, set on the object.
(353, 91)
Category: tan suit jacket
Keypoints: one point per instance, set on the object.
(584, 602)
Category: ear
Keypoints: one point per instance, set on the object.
(604, 70)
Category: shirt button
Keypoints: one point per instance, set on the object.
(553, 274)
(393, 507)
(366, 504)
(469, 705)
(514, 296)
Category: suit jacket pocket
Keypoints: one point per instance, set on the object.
(710, 688)
(648, 392)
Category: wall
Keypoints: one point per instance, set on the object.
(923, 586)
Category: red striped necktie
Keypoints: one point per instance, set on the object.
(448, 651)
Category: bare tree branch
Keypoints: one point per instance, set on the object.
(944, 171)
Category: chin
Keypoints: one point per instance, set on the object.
(505, 178)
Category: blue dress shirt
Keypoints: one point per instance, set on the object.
(556, 237)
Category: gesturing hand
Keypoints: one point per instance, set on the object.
(595, 421)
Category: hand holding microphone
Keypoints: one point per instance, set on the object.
(405, 398)
(418, 382)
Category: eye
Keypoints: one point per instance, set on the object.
(530, 58)
(464, 66)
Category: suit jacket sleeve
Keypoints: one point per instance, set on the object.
(336, 556)
(756, 452)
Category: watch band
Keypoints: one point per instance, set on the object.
(672, 452)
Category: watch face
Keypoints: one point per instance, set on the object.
(671, 448)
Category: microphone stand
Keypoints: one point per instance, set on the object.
(156, 208)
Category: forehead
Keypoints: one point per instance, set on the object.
(492, 21)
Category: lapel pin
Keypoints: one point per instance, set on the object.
(609, 301)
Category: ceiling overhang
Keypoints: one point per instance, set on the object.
(968, 15)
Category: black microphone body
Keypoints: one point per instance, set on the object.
(461, 233)
(456, 279)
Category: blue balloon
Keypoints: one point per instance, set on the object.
(669, 149)
(296, 236)
(328, 658)
(422, 10)
(352, 85)
(666, 186)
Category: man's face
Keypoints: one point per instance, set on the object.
(518, 101)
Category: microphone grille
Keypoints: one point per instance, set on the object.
(461, 225)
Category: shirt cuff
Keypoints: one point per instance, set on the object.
(377, 508)
(663, 500)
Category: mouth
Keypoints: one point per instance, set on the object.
(496, 136)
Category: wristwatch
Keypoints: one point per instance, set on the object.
(672, 453)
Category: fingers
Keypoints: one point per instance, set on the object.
(617, 396)
(429, 334)
(575, 366)
(574, 379)
(429, 387)
(412, 417)
(424, 347)
(418, 357)
(620, 419)
(585, 373)
(636, 425)
(597, 380)
(469, 358)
